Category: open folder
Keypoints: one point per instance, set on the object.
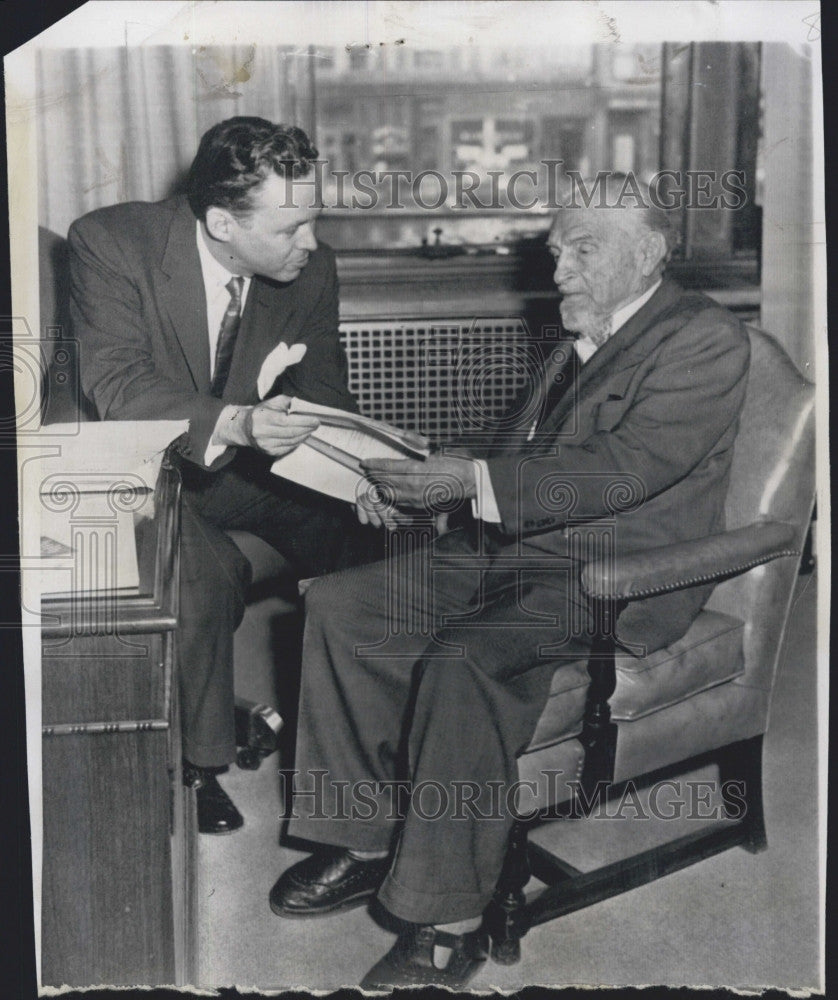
(329, 461)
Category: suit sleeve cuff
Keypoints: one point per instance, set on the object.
(214, 448)
(485, 505)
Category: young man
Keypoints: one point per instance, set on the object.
(177, 307)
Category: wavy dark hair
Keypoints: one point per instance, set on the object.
(236, 155)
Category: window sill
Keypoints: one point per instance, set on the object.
(394, 284)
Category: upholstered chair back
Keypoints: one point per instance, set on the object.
(53, 287)
(771, 478)
(63, 400)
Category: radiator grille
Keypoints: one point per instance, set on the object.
(442, 378)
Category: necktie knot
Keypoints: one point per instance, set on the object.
(234, 286)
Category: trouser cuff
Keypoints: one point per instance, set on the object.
(350, 834)
(204, 755)
(421, 907)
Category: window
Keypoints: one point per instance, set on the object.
(513, 141)
(566, 137)
(467, 143)
(519, 121)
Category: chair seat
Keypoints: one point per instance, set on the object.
(709, 654)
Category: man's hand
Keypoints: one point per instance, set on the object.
(272, 429)
(382, 517)
(268, 427)
(437, 484)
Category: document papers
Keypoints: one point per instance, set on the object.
(93, 550)
(97, 479)
(112, 448)
(330, 460)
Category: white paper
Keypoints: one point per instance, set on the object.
(110, 449)
(309, 467)
(409, 442)
(95, 550)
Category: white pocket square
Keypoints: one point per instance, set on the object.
(275, 364)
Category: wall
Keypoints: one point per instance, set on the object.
(787, 232)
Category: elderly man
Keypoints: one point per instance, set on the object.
(217, 306)
(657, 398)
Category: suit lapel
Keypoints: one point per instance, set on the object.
(555, 364)
(183, 298)
(629, 344)
(267, 319)
(561, 370)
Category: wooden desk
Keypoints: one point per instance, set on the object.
(118, 824)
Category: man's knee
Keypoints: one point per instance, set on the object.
(348, 593)
(319, 598)
(236, 567)
(209, 554)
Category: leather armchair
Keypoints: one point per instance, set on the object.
(706, 698)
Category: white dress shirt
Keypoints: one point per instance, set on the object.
(216, 276)
(485, 505)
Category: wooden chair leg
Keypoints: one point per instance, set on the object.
(599, 733)
(504, 917)
(740, 764)
(569, 890)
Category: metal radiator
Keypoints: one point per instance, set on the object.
(443, 377)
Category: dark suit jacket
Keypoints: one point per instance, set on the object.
(138, 310)
(644, 439)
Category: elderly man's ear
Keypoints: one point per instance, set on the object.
(653, 249)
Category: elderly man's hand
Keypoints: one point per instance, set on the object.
(382, 516)
(436, 484)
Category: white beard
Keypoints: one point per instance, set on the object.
(581, 317)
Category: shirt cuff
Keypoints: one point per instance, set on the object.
(485, 505)
(214, 450)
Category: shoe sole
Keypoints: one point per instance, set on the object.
(420, 982)
(344, 904)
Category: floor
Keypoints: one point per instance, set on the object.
(736, 919)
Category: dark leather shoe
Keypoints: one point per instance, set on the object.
(410, 962)
(327, 882)
(216, 812)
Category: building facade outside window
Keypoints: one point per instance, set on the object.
(497, 113)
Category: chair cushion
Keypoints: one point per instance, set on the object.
(562, 715)
(709, 654)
